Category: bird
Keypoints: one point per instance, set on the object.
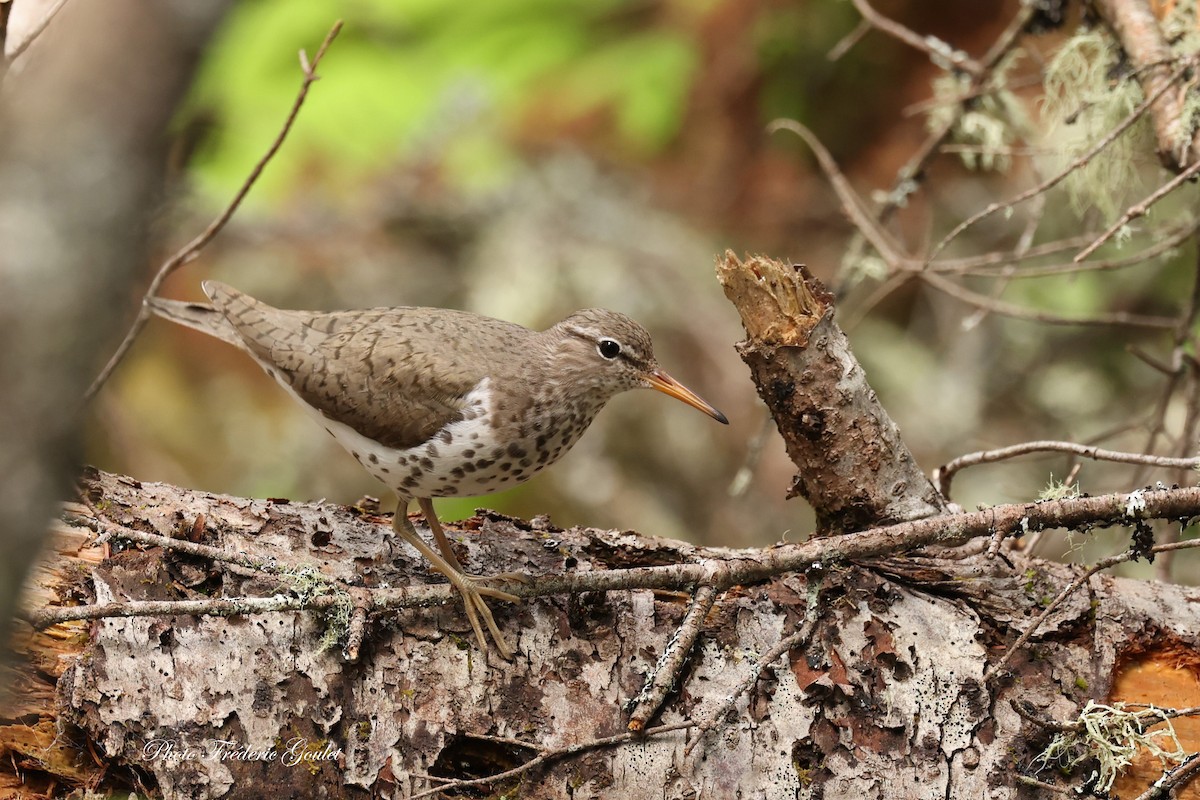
(437, 402)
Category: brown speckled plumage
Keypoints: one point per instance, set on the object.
(438, 403)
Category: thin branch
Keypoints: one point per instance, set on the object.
(924, 106)
(1140, 209)
(1021, 312)
(1160, 247)
(109, 530)
(1049, 787)
(740, 567)
(939, 52)
(943, 475)
(1054, 180)
(1102, 564)
(852, 204)
(929, 148)
(784, 645)
(1003, 257)
(848, 41)
(1151, 714)
(192, 249)
(670, 664)
(546, 755)
(1173, 779)
(1023, 244)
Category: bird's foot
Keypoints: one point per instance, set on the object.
(473, 603)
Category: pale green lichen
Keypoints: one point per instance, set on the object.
(308, 584)
(991, 122)
(337, 622)
(1059, 490)
(1112, 736)
(1087, 95)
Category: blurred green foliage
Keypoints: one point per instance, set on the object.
(457, 78)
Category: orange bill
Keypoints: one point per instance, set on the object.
(669, 386)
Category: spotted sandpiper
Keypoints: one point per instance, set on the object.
(441, 403)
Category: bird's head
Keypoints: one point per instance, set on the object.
(606, 353)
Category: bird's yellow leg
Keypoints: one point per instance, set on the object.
(439, 536)
(471, 593)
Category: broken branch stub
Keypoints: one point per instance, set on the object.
(853, 467)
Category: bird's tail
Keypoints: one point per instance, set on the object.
(198, 316)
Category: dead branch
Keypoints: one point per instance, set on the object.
(943, 475)
(939, 52)
(852, 465)
(839, 625)
(717, 569)
(1139, 209)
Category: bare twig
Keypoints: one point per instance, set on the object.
(784, 645)
(848, 41)
(1139, 209)
(1054, 180)
(897, 259)
(939, 52)
(1173, 779)
(671, 662)
(852, 204)
(1007, 309)
(925, 106)
(916, 163)
(192, 249)
(943, 475)
(1073, 587)
(723, 572)
(1006, 275)
(109, 530)
(1165, 241)
(546, 755)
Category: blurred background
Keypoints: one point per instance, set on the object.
(525, 158)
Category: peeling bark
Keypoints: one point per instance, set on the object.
(887, 699)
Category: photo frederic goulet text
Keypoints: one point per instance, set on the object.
(293, 752)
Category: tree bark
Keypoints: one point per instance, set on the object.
(852, 465)
(885, 698)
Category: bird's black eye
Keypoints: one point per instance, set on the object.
(609, 348)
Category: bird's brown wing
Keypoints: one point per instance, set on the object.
(393, 375)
